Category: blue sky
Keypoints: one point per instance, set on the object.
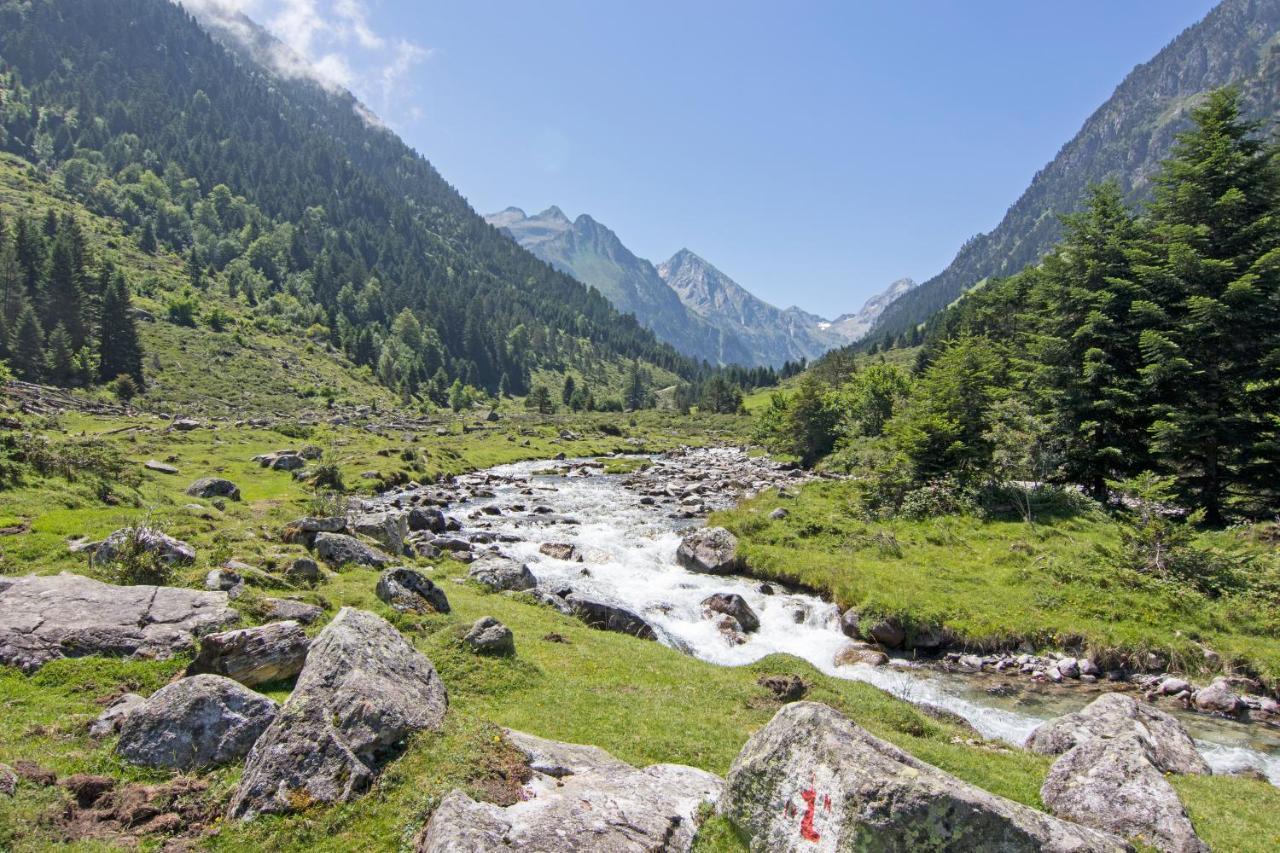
(814, 151)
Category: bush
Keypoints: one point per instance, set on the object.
(123, 387)
(217, 319)
(134, 563)
(942, 496)
(328, 476)
(181, 309)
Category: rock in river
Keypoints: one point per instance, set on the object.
(68, 615)
(813, 780)
(713, 550)
(732, 604)
(362, 692)
(578, 798)
(500, 573)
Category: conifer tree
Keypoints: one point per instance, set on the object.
(119, 351)
(1213, 352)
(63, 294)
(26, 345)
(60, 358)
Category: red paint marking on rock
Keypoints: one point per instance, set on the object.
(807, 832)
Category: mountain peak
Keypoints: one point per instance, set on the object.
(554, 214)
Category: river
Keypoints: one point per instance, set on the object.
(629, 551)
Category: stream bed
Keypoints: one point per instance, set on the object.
(628, 548)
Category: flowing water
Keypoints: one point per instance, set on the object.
(629, 557)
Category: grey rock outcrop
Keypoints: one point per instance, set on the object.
(254, 656)
(201, 721)
(608, 616)
(363, 691)
(488, 636)
(1114, 754)
(501, 573)
(580, 798)
(1113, 715)
(389, 528)
(113, 717)
(175, 552)
(69, 615)
(713, 550)
(410, 591)
(338, 549)
(812, 779)
(732, 604)
(214, 487)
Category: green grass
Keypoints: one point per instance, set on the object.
(999, 583)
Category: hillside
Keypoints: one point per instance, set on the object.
(200, 151)
(1124, 140)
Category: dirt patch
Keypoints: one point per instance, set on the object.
(785, 688)
(500, 772)
(102, 810)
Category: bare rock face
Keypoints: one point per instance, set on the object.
(1164, 741)
(201, 721)
(500, 573)
(580, 798)
(338, 549)
(713, 550)
(175, 552)
(363, 691)
(732, 604)
(410, 591)
(69, 615)
(254, 656)
(813, 780)
(389, 528)
(214, 487)
(1115, 753)
(607, 616)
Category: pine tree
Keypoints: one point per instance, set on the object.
(636, 395)
(63, 292)
(147, 241)
(60, 358)
(119, 351)
(26, 345)
(566, 393)
(195, 273)
(1213, 354)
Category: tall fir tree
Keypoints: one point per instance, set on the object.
(1213, 350)
(26, 344)
(119, 351)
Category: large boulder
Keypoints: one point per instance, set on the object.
(214, 487)
(579, 798)
(813, 780)
(363, 691)
(411, 592)
(1165, 742)
(162, 546)
(1114, 754)
(68, 615)
(338, 549)
(713, 550)
(1110, 784)
(254, 656)
(389, 528)
(732, 604)
(427, 518)
(501, 573)
(608, 616)
(201, 721)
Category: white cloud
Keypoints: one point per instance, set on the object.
(333, 43)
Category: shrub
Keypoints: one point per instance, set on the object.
(134, 563)
(123, 387)
(181, 309)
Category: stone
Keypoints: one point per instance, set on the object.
(214, 487)
(1110, 784)
(8, 781)
(712, 550)
(559, 551)
(1166, 742)
(488, 636)
(286, 462)
(159, 467)
(607, 616)
(578, 798)
(389, 528)
(185, 424)
(222, 579)
(338, 549)
(363, 691)
(254, 656)
(286, 609)
(500, 573)
(426, 518)
(1172, 686)
(887, 632)
(303, 570)
(409, 591)
(732, 604)
(786, 688)
(1069, 667)
(813, 780)
(196, 722)
(172, 551)
(113, 717)
(1218, 698)
(858, 652)
(69, 615)
(849, 624)
(779, 514)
